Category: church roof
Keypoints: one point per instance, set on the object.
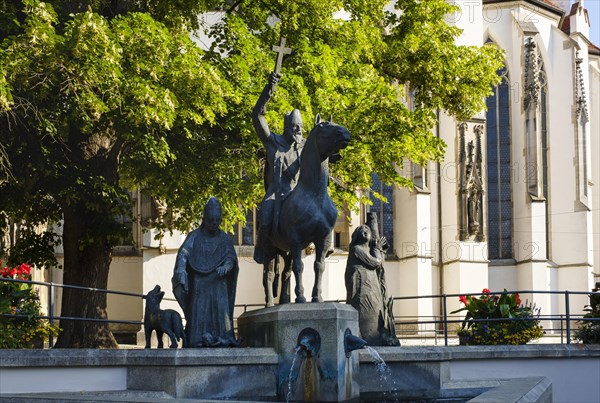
(545, 4)
(565, 23)
(550, 2)
(565, 26)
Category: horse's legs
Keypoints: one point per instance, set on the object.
(159, 336)
(284, 297)
(173, 338)
(320, 248)
(147, 332)
(268, 276)
(298, 267)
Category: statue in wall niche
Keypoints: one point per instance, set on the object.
(366, 288)
(471, 184)
(204, 282)
(473, 201)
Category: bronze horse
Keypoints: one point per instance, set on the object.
(308, 214)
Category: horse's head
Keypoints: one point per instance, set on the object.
(330, 138)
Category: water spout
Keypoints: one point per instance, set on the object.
(352, 342)
(309, 341)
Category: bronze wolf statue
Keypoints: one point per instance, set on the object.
(162, 321)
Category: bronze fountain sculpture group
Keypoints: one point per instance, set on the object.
(295, 212)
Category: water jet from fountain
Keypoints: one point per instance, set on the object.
(289, 392)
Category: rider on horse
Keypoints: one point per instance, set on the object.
(281, 169)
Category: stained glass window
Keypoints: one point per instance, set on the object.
(247, 231)
(500, 224)
(385, 211)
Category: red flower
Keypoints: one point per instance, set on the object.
(463, 299)
(25, 270)
(12, 272)
(486, 291)
(517, 299)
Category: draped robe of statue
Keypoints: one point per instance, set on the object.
(209, 301)
(363, 288)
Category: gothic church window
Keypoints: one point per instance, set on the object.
(500, 222)
(245, 234)
(384, 210)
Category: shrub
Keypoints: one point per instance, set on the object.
(498, 319)
(589, 330)
(25, 329)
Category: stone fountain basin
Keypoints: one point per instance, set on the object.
(250, 373)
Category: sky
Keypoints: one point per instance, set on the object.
(593, 7)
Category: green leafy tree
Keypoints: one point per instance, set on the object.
(99, 96)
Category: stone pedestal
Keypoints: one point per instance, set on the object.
(324, 373)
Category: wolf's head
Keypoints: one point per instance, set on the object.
(154, 297)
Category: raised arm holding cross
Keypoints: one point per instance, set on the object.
(260, 109)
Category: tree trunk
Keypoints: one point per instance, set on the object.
(86, 264)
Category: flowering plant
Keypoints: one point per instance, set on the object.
(21, 300)
(498, 319)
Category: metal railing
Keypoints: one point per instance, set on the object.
(434, 327)
(52, 318)
(444, 321)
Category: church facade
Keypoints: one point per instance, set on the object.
(514, 204)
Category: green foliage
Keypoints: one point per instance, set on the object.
(99, 96)
(421, 51)
(589, 330)
(483, 322)
(36, 241)
(25, 329)
(5, 94)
